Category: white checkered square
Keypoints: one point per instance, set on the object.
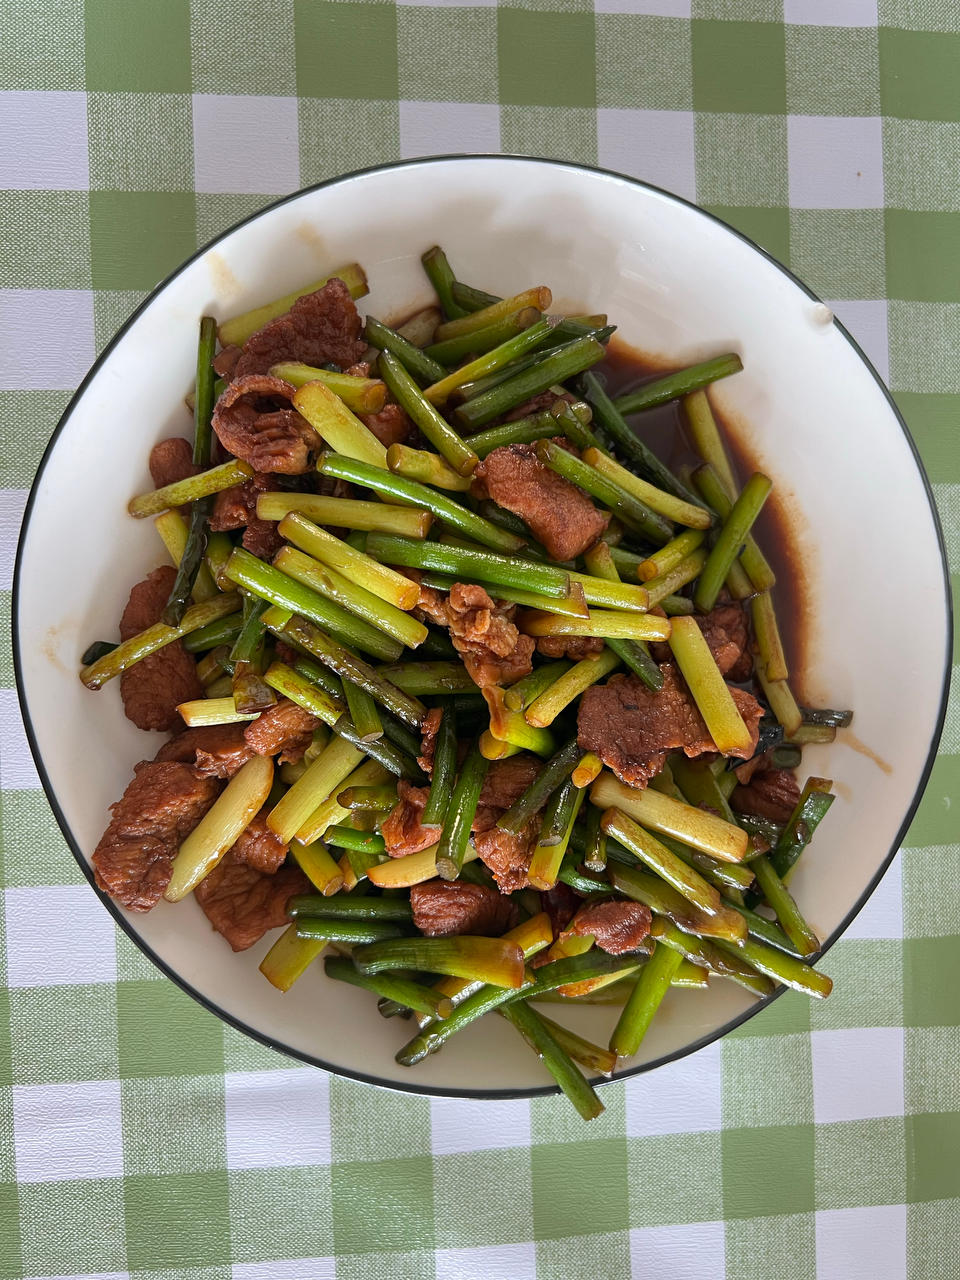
(466, 1124)
(450, 4)
(862, 1244)
(289, 1269)
(277, 1118)
(17, 770)
(58, 936)
(648, 8)
(493, 1262)
(866, 318)
(691, 1251)
(43, 141)
(68, 1131)
(681, 1097)
(46, 338)
(857, 1073)
(835, 162)
(437, 128)
(831, 13)
(882, 917)
(656, 146)
(245, 144)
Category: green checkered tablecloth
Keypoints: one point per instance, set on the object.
(141, 1137)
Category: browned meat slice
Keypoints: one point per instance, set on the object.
(320, 328)
(508, 856)
(225, 361)
(258, 847)
(576, 648)
(442, 907)
(171, 460)
(507, 780)
(536, 404)
(261, 539)
(153, 688)
(560, 903)
(769, 793)
(249, 426)
(559, 515)
(725, 631)
(242, 903)
(482, 631)
(391, 425)
(402, 830)
(633, 730)
(235, 507)
(285, 728)
(618, 927)
(215, 750)
(159, 808)
(429, 730)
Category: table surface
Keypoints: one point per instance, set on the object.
(140, 1136)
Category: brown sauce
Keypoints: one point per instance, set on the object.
(779, 527)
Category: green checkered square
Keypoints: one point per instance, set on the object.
(933, 1172)
(138, 237)
(243, 46)
(922, 250)
(11, 1255)
(549, 1123)
(371, 1121)
(758, 1248)
(918, 74)
(111, 309)
(197, 1203)
(582, 1182)
(556, 133)
(140, 141)
(44, 240)
(140, 48)
(663, 83)
(920, 159)
(931, 1002)
(769, 228)
(545, 59)
(924, 348)
(63, 1033)
(739, 66)
(34, 851)
(839, 253)
(6, 652)
(738, 10)
(89, 1226)
(43, 47)
(346, 49)
(832, 71)
(935, 823)
(927, 1086)
(926, 914)
(931, 419)
(339, 134)
(933, 1239)
(918, 15)
(788, 1014)
(443, 54)
(754, 1071)
(405, 1185)
(161, 1031)
(856, 1002)
(218, 213)
(575, 1257)
(283, 1213)
(741, 159)
(173, 1126)
(860, 1162)
(242, 1053)
(27, 421)
(687, 1186)
(501, 1214)
(133, 965)
(768, 1170)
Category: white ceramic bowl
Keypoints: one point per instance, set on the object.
(681, 286)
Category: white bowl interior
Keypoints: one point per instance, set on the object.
(681, 287)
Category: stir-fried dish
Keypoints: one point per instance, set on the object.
(467, 687)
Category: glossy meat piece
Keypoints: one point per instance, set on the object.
(617, 927)
(159, 808)
(770, 793)
(508, 856)
(633, 729)
(428, 732)
(250, 426)
(258, 847)
(321, 328)
(482, 631)
(214, 750)
(576, 648)
(284, 728)
(728, 637)
(171, 460)
(559, 514)
(391, 425)
(402, 829)
(242, 903)
(153, 688)
(445, 907)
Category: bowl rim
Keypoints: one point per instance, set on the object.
(125, 922)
